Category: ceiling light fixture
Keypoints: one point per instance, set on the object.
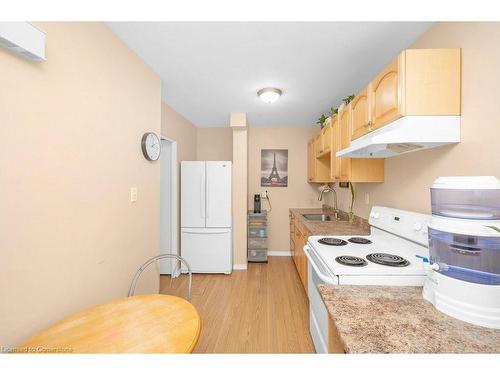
(269, 94)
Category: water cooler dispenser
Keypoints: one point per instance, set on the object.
(464, 246)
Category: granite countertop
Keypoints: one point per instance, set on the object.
(359, 226)
(396, 319)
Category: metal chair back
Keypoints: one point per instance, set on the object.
(154, 259)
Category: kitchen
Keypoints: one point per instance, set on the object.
(350, 252)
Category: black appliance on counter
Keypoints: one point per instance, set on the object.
(256, 204)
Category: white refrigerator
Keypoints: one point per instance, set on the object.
(206, 220)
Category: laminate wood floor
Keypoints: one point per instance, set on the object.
(261, 310)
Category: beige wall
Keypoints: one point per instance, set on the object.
(176, 127)
(299, 192)
(71, 129)
(408, 177)
(214, 144)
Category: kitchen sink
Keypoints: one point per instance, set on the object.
(324, 217)
(318, 217)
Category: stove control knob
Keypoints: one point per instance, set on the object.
(417, 226)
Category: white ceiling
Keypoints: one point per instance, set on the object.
(211, 69)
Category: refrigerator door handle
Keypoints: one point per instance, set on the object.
(202, 196)
(208, 197)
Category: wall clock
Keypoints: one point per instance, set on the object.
(151, 146)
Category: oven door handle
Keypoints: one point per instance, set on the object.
(321, 275)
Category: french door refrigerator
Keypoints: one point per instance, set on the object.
(206, 220)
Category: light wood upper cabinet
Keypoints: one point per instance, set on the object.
(318, 145)
(327, 167)
(386, 92)
(345, 140)
(360, 114)
(326, 138)
(432, 81)
(334, 160)
(311, 165)
(345, 169)
(419, 82)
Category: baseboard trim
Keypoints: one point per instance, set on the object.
(285, 253)
(237, 267)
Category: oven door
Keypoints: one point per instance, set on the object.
(318, 315)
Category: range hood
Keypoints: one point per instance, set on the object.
(407, 134)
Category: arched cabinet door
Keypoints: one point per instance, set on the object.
(345, 140)
(360, 114)
(386, 92)
(334, 160)
(326, 135)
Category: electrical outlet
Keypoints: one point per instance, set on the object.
(367, 198)
(133, 194)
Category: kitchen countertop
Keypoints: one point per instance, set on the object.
(396, 319)
(359, 226)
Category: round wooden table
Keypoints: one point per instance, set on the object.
(152, 323)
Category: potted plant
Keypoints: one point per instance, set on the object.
(348, 99)
(334, 112)
(321, 121)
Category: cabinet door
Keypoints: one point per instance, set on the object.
(334, 160)
(297, 239)
(386, 93)
(360, 114)
(345, 140)
(326, 140)
(311, 161)
(317, 144)
(303, 261)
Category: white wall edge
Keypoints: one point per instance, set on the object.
(277, 253)
(239, 267)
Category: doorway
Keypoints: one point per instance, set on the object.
(168, 203)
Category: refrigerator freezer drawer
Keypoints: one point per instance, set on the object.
(207, 250)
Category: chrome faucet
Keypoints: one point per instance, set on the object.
(326, 189)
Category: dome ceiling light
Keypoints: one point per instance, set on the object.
(269, 94)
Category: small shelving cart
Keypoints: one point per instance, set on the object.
(257, 236)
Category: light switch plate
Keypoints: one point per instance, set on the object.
(367, 198)
(133, 194)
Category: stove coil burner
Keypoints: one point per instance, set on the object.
(348, 260)
(332, 241)
(360, 240)
(388, 259)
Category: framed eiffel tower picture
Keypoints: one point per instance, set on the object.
(274, 168)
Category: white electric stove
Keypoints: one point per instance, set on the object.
(394, 253)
